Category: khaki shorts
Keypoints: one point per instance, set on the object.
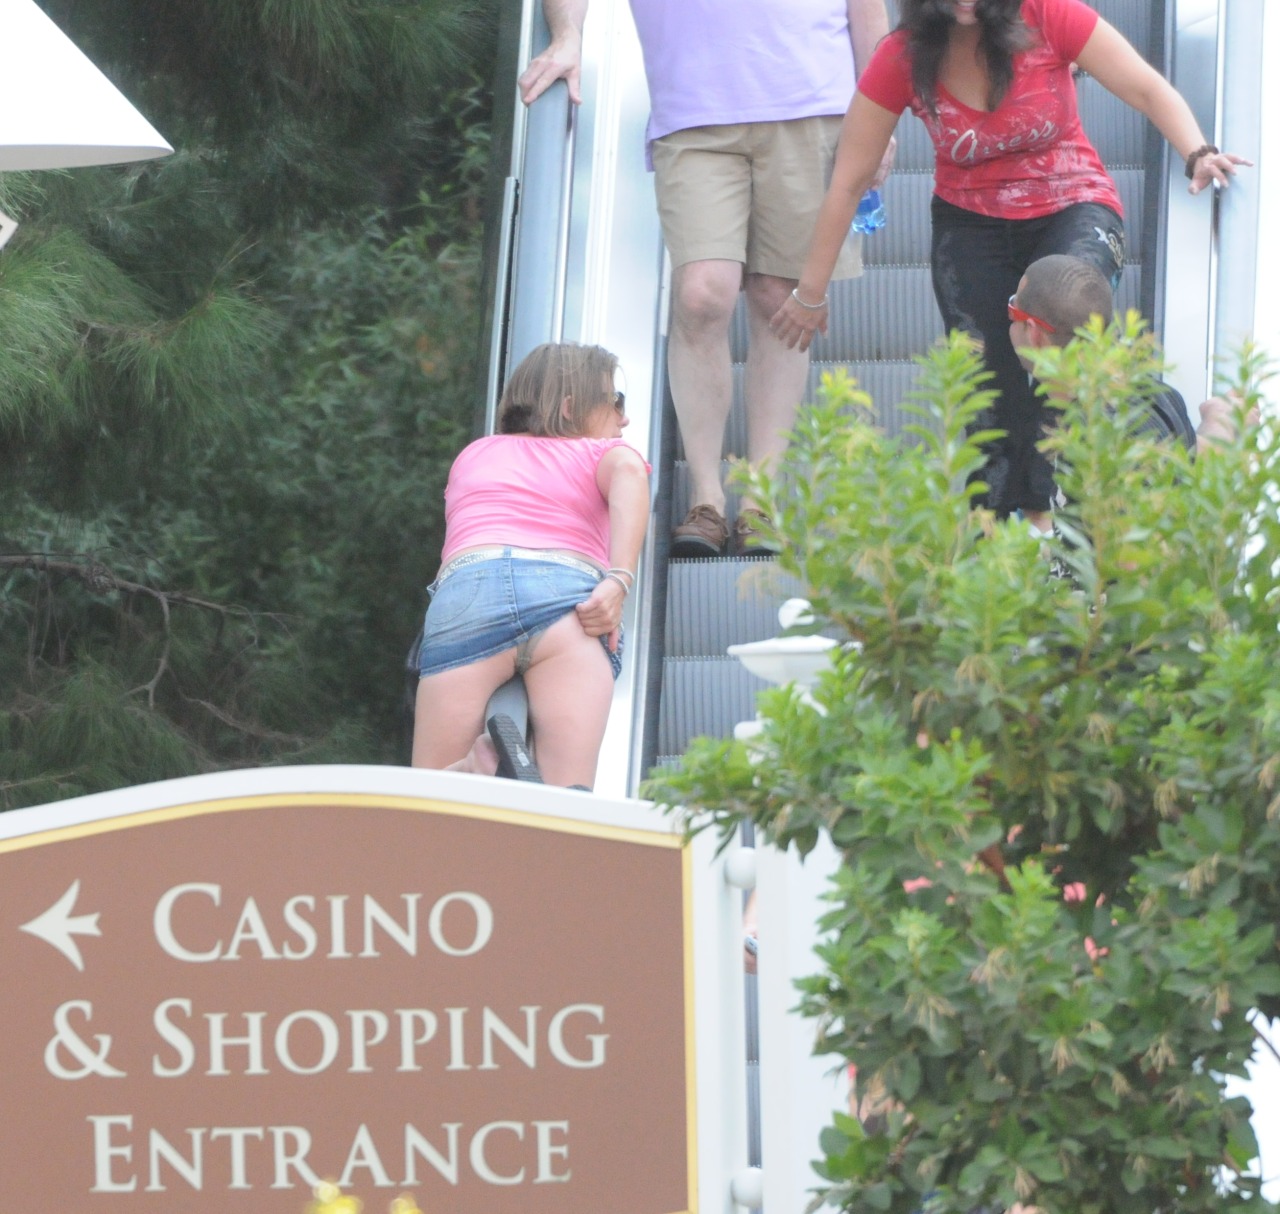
(748, 192)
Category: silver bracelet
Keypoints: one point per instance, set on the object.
(808, 307)
(621, 572)
(626, 590)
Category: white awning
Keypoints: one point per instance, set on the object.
(56, 109)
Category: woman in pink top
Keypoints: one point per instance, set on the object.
(543, 527)
(1016, 179)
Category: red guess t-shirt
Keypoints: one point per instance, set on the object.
(1029, 156)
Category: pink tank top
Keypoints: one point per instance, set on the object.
(527, 492)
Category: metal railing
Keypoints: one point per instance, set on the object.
(577, 257)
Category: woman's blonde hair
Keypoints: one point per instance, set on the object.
(531, 401)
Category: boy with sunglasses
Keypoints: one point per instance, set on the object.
(1056, 296)
(1060, 293)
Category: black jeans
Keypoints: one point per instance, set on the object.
(977, 264)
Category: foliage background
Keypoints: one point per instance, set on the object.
(231, 384)
(1057, 799)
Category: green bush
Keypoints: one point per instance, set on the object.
(1058, 1036)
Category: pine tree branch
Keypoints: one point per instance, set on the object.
(163, 665)
(253, 731)
(7, 786)
(101, 580)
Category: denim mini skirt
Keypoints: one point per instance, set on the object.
(489, 601)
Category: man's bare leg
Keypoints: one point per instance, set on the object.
(704, 294)
(776, 377)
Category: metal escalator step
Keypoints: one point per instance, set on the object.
(1117, 131)
(860, 327)
(714, 604)
(1132, 18)
(887, 382)
(703, 697)
(915, 148)
(890, 314)
(1131, 183)
(1129, 294)
(666, 763)
(886, 314)
(899, 293)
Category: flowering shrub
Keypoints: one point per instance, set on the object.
(1052, 1024)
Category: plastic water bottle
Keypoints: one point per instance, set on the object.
(870, 216)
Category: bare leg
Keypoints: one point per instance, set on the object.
(480, 760)
(449, 717)
(704, 294)
(570, 690)
(776, 377)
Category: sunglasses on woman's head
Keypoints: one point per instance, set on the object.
(1016, 313)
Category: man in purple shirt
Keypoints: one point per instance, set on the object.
(746, 105)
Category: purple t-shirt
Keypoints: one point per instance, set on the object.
(714, 62)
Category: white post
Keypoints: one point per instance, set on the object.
(798, 1089)
(719, 1025)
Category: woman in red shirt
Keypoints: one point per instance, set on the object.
(1015, 180)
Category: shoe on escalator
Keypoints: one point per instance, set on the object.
(704, 533)
(751, 534)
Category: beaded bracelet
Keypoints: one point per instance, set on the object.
(1207, 150)
(809, 307)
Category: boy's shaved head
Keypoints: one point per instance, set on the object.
(1065, 292)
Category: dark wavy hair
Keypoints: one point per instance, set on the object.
(928, 24)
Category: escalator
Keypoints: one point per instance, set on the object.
(878, 322)
(577, 256)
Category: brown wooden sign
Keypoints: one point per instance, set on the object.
(218, 1004)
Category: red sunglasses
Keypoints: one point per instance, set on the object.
(1016, 313)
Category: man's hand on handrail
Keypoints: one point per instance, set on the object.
(562, 60)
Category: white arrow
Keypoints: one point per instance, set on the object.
(57, 925)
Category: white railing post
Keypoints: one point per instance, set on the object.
(798, 1089)
(719, 1022)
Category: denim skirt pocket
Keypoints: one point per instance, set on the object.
(451, 601)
